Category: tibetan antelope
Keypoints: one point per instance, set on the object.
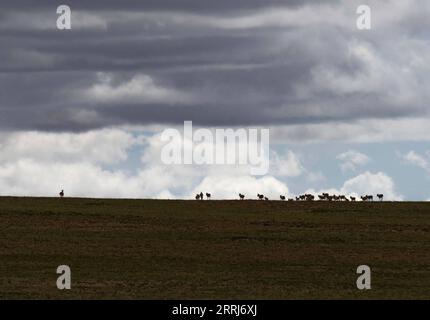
(241, 196)
(282, 197)
(309, 197)
(208, 195)
(380, 197)
(61, 193)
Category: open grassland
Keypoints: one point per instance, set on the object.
(149, 249)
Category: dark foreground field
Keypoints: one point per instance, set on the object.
(147, 249)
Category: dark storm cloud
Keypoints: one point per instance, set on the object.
(162, 5)
(213, 62)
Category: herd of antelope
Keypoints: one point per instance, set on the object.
(305, 197)
(199, 196)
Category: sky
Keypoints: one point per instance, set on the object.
(84, 109)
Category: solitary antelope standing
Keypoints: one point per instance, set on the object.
(61, 193)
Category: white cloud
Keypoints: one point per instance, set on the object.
(351, 160)
(28, 177)
(141, 88)
(417, 160)
(99, 146)
(40, 164)
(287, 165)
(32, 178)
(366, 183)
(372, 184)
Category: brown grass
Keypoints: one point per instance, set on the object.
(148, 249)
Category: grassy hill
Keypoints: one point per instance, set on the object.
(149, 249)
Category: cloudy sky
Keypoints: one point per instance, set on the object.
(83, 109)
